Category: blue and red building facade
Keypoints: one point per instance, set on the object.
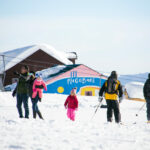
(87, 81)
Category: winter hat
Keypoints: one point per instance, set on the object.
(73, 91)
(38, 75)
(114, 74)
(26, 67)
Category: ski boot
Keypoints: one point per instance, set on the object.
(40, 115)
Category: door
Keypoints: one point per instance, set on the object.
(88, 93)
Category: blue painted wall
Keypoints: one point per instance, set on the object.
(68, 83)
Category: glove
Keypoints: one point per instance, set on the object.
(14, 93)
(16, 73)
(100, 99)
(40, 99)
(120, 99)
(39, 86)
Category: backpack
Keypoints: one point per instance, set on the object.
(112, 86)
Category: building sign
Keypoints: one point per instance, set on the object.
(80, 80)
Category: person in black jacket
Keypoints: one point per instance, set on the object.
(22, 91)
(146, 91)
(112, 89)
(30, 83)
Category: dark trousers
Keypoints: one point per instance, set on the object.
(35, 103)
(35, 107)
(22, 99)
(113, 106)
(148, 109)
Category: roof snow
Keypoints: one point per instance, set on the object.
(49, 71)
(15, 56)
(71, 55)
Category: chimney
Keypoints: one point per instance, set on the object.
(72, 56)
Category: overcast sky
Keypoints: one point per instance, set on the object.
(106, 34)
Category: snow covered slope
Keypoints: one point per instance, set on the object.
(135, 89)
(142, 77)
(56, 132)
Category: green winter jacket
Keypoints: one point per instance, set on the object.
(22, 86)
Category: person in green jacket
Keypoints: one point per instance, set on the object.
(22, 92)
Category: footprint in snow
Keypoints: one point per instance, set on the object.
(65, 141)
(15, 147)
(11, 122)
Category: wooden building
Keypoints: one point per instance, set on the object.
(37, 57)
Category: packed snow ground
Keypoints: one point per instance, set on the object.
(56, 132)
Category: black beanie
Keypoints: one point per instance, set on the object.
(26, 67)
(114, 74)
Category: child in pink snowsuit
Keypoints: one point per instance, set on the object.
(38, 87)
(71, 104)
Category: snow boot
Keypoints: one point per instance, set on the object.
(40, 115)
(34, 114)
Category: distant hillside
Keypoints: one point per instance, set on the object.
(133, 78)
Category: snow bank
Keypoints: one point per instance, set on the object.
(135, 89)
(10, 87)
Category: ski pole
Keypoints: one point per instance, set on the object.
(99, 105)
(140, 109)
